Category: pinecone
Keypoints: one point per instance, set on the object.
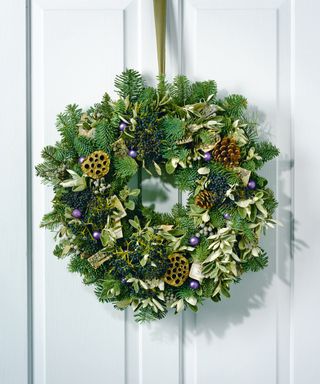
(205, 199)
(227, 152)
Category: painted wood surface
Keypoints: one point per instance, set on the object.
(267, 331)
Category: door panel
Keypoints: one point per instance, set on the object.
(77, 49)
(243, 46)
(14, 245)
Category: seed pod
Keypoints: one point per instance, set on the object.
(205, 199)
(227, 152)
(178, 270)
(96, 165)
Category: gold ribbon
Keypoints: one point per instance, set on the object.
(160, 15)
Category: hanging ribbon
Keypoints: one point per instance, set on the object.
(160, 15)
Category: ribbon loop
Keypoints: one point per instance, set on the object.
(160, 16)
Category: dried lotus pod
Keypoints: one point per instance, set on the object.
(96, 165)
(178, 270)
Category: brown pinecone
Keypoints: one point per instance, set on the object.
(227, 152)
(205, 199)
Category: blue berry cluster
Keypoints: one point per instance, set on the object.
(147, 139)
(218, 184)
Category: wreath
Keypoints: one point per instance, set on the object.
(207, 147)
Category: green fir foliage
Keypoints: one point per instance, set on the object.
(174, 129)
(235, 105)
(147, 315)
(125, 167)
(83, 145)
(105, 135)
(122, 247)
(185, 179)
(67, 124)
(129, 84)
(202, 90)
(254, 264)
(180, 90)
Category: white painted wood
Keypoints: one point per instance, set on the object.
(78, 48)
(13, 208)
(268, 331)
(306, 312)
(244, 47)
(151, 343)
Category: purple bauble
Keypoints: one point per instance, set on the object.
(227, 216)
(194, 284)
(251, 184)
(207, 156)
(122, 126)
(194, 240)
(96, 235)
(132, 153)
(81, 159)
(76, 213)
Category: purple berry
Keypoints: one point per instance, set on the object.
(76, 213)
(81, 159)
(96, 235)
(251, 184)
(194, 284)
(122, 126)
(207, 156)
(227, 216)
(124, 280)
(132, 153)
(194, 240)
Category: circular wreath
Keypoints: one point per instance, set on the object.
(134, 255)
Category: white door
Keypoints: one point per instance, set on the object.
(52, 328)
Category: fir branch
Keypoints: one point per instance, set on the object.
(129, 84)
(104, 108)
(201, 252)
(241, 226)
(180, 90)
(173, 128)
(208, 286)
(218, 168)
(49, 154)
(235, 105)
(162, 86)
(184, 292)
(83, 145)
(270, 202)
(79, 265)
(146, 315)
(267, 151)
(251, 131)
(147, 96)
(216, 219)
(125, 166)
(51, 220)
(201, 90)
(170, 151)
(185, 179)
(255, 264)
(67, 124)
(105, 135)
(250, 165)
